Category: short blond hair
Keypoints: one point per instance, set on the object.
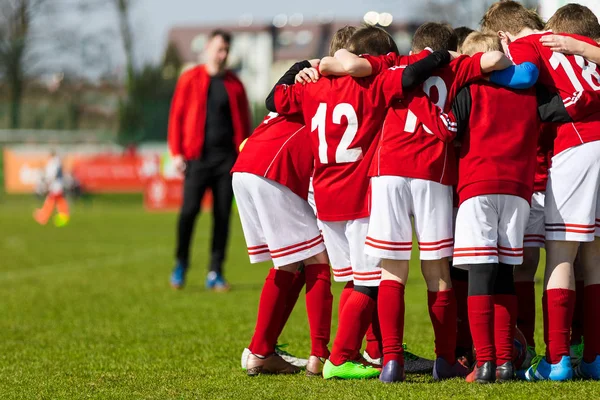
(478, 42)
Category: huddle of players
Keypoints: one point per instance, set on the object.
(386, 140)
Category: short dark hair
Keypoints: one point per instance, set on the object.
(461, 34)
(371, 40)
(226, 36)
(436, 36)
(575, 19)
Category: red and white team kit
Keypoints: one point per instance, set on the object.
(366, 194)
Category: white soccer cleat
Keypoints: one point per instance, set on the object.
(292, 359)
(245, 355)
(374, 361)
(295, 361)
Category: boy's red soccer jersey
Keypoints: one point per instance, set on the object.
(407, 147)
(499, 145)
(544, 156)
(575, 79)
(381, 63)
(344, 116)
(279, 150)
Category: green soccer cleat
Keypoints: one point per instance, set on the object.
(349, 370)
(576, 353)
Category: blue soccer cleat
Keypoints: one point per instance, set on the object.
(178, 275)
(443, 370)
(542, 370)
(216, 282)
(392, 372)
(588, 370)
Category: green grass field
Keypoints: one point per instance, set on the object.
(86, 311)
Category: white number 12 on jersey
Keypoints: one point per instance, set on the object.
(343, 154)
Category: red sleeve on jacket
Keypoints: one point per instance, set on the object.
(175, 132)
(246, 115)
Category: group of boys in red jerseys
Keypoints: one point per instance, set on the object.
(385, 138)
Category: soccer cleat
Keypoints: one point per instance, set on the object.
(295, 361)
(462, 352)
(392, 372)
(505, 372)
(314, 367)
(531, 354)
(349, 370)
(178, 275)
(216, 282)
(443, 370)
(484, 374)
(576, 353)
(272, 364)
(413, 364)
(542, 370)
(371, 360)
(245, 355)
(366, 362)
(528, 362)
(292, 359)
(588, 370)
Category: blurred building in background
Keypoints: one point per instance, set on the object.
(261, 53)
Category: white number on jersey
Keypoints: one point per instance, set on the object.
(589, 71)
(343, 154)
(411, 119)
(270, 116)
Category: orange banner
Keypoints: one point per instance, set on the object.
(23, 170)
(115, 172)
(163, 194)
(96, 172)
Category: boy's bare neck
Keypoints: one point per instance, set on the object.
(527, 32)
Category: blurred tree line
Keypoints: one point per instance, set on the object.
(29, 33)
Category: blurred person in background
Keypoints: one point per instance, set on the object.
(209, 120)
(54, 185)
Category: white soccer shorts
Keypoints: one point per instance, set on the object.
(311, 202)
(535, 231)
(573, 194)
(345, 241)
(490, 229)
(278, 224)
(395, 200)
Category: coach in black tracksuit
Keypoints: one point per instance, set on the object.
(209, 120)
